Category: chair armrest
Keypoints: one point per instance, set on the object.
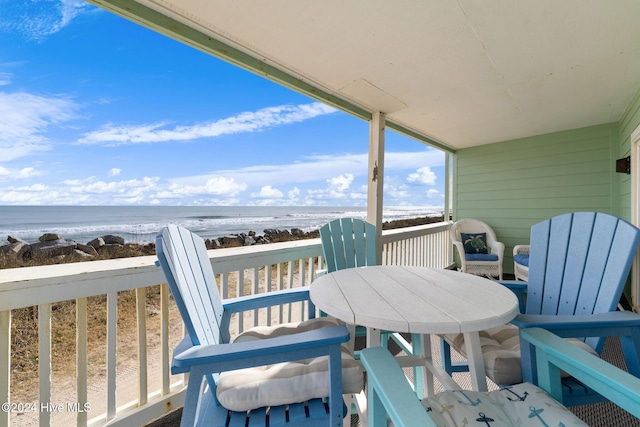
(226, 357)
(520, 289)
(497, 248)
(592, 325)
(624, 324)
(460, 247)
(267, 299)
(554, 354)
(521, 249)
(515, 285)
(390, 393)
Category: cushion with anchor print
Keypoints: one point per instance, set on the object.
(518, 405)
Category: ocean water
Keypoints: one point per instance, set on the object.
(141, 223)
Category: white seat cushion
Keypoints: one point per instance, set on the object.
(501, 352)
(518, 405)
(288, 382)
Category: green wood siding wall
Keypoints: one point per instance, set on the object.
(514, 184)
(629, 122)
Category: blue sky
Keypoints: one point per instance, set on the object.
(96, 110)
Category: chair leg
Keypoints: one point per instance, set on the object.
(447, 362)
(631, 349)
(348, 399)
(192, 399)
(445, 356)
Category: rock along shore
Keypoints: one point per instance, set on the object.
(53, 248)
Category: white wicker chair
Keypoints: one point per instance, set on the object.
(478, 264)
(521, 256)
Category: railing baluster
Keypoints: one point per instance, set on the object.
(240, 292)
(301, 282)
(164, 338)
(112, 327)
(267, 288)
(44, 361)
(225, 285)
(290, 284)
(141, 309)
(5, 364)
(81, 360)
(255, 283)
(280, 286)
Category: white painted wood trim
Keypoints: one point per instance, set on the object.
(635, 212)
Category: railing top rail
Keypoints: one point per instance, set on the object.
(28, 286)
(395, 234)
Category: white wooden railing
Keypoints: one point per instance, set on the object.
(259, 268)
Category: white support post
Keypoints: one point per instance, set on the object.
(376, 175)
(447, 187)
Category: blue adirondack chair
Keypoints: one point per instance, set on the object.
(206, 353)
(578, 266)
(391, 397)
(350, 243)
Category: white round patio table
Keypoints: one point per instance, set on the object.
(418, 300)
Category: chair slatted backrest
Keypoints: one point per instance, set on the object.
(186, 265)
(579, 263)
(348, 243)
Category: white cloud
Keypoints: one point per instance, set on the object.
(296, 183)
(423, 175)
(37, 20)
(293, 196)
(13, 174)
(318, 167)
(26, 118)
(252, 121)
(337, 188)
(128, 189)
(340, 183)
(5, 78)
(432, 192)
(216, 186)
(268, 192)
(396, 192)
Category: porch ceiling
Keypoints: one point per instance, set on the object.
(458, 73)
